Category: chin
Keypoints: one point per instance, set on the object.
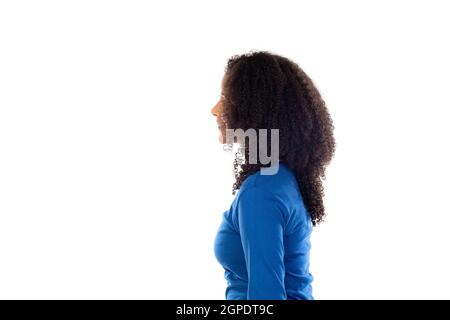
(221, 138)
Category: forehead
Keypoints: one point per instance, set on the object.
(223, 81)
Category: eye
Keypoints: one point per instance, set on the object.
(224, 98)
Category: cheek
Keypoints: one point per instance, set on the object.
(222, 120)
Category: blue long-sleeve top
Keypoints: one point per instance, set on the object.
(263, 241)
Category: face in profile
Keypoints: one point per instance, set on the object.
(217, 111)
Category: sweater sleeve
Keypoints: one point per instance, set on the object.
(261, 224)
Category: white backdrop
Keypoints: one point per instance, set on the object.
(113, 185)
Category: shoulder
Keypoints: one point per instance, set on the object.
(257, 207)
(264, 197)
(279, 183)
(274, 198)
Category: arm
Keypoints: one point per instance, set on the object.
(261, 225)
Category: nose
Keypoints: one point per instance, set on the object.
(214, 110)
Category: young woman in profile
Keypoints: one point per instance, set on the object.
(263, 242)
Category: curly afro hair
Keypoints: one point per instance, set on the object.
(263, 90)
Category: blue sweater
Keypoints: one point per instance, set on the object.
(263, 241)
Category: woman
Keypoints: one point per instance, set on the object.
(263, 242)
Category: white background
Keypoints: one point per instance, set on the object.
(113, 184)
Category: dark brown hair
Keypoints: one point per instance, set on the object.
(263, 90)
